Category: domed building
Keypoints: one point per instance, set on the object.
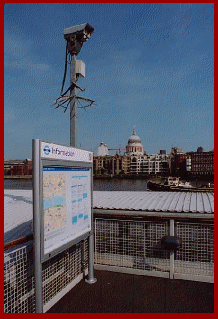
(134, 162)
(134, 146)
(139, 163)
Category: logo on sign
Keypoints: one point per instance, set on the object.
(47, 150)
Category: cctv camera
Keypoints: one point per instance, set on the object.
(82, 32)
(76, 36)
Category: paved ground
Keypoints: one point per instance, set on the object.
(123, 293)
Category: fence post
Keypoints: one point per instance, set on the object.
(172, 232)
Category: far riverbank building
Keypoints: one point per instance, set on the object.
(134, 162)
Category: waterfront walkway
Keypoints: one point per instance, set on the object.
(125, 293)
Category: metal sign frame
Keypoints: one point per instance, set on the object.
(80, 159)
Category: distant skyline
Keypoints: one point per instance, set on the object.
(147, 65)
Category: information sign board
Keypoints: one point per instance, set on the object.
(64, 196)
(66, 205)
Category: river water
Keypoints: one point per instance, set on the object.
(98, 185)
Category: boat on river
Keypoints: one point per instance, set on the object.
(175, 184)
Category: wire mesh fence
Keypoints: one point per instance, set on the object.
(19, 280)
(137, 245)
(196, 255)
(57, 273)
(127, 244)
(131, 244)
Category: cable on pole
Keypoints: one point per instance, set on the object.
(65, 70)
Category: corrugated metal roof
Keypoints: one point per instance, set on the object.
(187, 202)
(18, 207)
(18, 214)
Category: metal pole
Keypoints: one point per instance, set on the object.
(172, 251)
(36, 227)
(91, 279)
(73, 103)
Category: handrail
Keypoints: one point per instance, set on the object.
(18, 241)
(148, 214)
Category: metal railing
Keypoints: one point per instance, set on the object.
(131, 244)
(122, 243)
(19, 280)
(134, 246)
(195, 259)
(59, 274)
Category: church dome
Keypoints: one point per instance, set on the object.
(134, 146)
(134, 138)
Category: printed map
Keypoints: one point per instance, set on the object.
(54, 201)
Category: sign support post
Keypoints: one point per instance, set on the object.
(36, 228)
(91, 279)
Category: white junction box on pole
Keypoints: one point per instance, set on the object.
(80, 68)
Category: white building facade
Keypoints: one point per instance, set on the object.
(143, 164)
(134, 162)
(102, 149)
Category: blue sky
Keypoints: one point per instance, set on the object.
(147, 65)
